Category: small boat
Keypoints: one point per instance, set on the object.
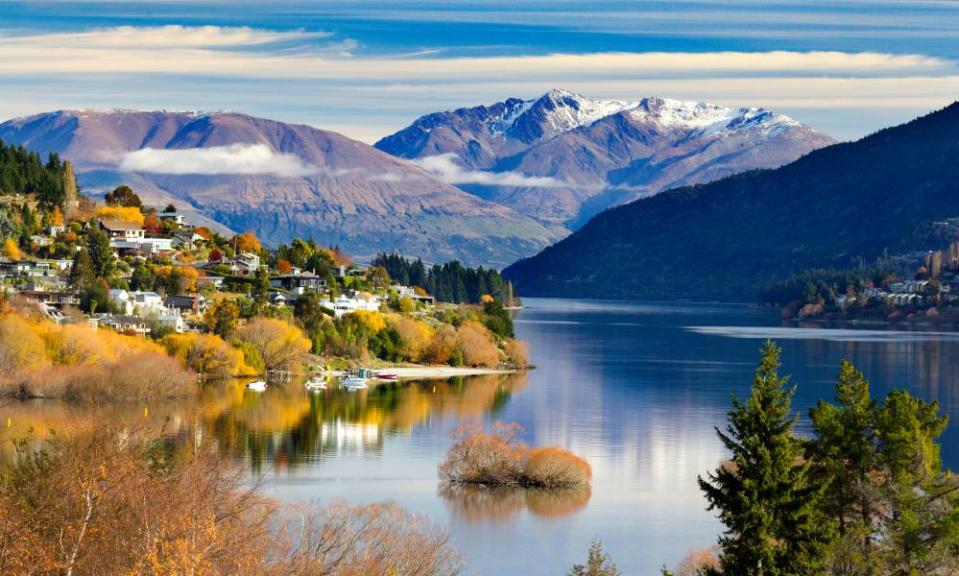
(353, 383)
(387, 376)
(256, 386)
(315, 384)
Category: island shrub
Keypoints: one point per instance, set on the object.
(494, 459)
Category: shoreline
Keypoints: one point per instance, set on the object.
(406, 372)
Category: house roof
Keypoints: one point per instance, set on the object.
(119, 225)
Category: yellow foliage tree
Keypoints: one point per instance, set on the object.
(10, 249)
(280, 345)
(56, 217)
(122, 213)
(374, 321)
(206, 354)
(21, 347)
(247, 242)
(477, 344)
(415, 337)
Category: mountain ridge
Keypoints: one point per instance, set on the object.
(281, 180)
(597, 153)
(727, 240)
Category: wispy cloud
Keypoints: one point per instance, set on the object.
(238, 159)
(446, 168)
(245, 52)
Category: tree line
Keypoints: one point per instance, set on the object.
(23, 172)
(450, 282)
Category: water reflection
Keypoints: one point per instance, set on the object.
(475, 503)
(285, 427)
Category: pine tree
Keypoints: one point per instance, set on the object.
(101, 255)
(844, 457)
(763, 494)
(598, 563)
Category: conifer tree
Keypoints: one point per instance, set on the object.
(598, 563)
(763, 494)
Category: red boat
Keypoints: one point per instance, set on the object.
(387, 376)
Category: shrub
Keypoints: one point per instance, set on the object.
(206, 354)
(415, 337)
(492, 458)
(552, 466)
(278, 344)
(20, 346)
(477, 345)
(517, 352)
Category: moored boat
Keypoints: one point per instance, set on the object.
(256, 386)
(315, 384)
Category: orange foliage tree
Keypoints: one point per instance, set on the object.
(247, 242)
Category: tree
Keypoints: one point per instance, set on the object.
(82, 274)
(278, 344)
(246, 242)
(11, 250)
(844, 456)
(101, 254)
(261, 287)
(170, 209)
(310, 314)
(222, 317)
(763, 494)
(143, 277)
(123, 195)
(598, 563)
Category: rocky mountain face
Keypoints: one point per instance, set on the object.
(562, 158)
(895, 192)
(281, 180)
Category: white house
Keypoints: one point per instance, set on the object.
(139, 303)
(345, 304)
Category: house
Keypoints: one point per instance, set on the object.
(278, 299)
(172, 319)
(410, 292)
(56, 230)
(172, 217)
(139, 303)
(148, 246)
(123, 323)
(299, 283)
(215, 281)
(245, 263)
(125, 231)
(187, 304)
(186, 240)
(38, 240)
(351, 302)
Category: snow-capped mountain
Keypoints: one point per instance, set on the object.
(563, 157)
(281, 180)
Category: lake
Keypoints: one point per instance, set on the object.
(635, 388)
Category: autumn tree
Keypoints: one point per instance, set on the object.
(246, 242)
(11, 251)
(279, 345)
(221, 317)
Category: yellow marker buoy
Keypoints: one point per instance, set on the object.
(146, 411)
(9, 422)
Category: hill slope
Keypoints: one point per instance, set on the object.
(562, 158)
(281, 180)
(897, 189)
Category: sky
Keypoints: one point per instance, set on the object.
(368, 68)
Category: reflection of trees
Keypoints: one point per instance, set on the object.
(288, 425)
(479, 503)
(285, 425)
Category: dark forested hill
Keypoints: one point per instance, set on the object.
(897, 189)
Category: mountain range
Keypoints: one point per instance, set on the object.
(896, 192)
(281, 180)
(562, 157)
(486, 185)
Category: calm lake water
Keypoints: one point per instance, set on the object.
(634, 388)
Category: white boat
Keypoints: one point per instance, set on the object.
(315, 384)
(353, 383)
(256, 386)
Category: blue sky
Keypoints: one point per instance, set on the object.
(369, 68)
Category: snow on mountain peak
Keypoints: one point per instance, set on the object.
(708, 117)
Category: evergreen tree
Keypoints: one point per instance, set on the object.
(763, 494)
(844, 456)
(598, 563)
(101, 255)
(261, 287)
(82, 275)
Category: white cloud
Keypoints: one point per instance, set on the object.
(446, 168)
(226, 51)
(239, 159)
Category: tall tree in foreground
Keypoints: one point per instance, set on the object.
(763, 494)
(598, 563)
